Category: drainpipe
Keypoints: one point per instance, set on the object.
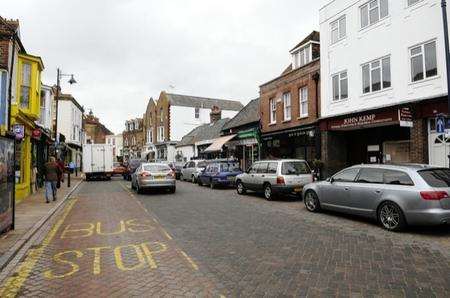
(316, 78)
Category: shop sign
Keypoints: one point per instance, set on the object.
(362, 120)
(405, 117)
(19, 131)
(36, 134)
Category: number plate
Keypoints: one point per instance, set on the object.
(298, 189)
(159, 177)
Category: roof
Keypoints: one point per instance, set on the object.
(313, 36)
(249, 114)
(396, 166)
(203, 132)
(71, 98)
(203, 102)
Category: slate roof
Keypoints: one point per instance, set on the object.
(249, 114)
(203, 102)
(314, 36)
(203, 132)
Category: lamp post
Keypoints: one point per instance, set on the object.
(72, 81)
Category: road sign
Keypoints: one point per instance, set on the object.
(440, 124)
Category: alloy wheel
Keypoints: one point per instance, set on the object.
(240, 188)
(311, 201)
(268, 192)
(390, 216)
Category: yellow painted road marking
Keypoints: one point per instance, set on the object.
(167, 234)
(14, 283)
(188, 258)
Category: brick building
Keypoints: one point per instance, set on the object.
(96, 132)
(290, 104)
(133, 138)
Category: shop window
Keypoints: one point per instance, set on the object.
(25, 86)
(423, 61)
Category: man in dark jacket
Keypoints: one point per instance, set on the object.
(52, 172)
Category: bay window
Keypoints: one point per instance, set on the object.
(25, 86)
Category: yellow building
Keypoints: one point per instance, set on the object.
(24, 111)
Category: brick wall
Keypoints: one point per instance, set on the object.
(4, 54)
(419, 141)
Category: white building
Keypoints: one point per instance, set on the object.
(47, 97)
(381, 59)
(116, 141)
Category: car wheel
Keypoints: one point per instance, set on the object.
(211, 184)
(193, 179)
(268, 192)
(132, 185)
(172, 189)
(199, 181)
(138, 189)
(391, 217)
(240, 188)
(312, 203)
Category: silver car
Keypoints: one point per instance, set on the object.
(191, 169)
(153, 175)
(272, 177)
(395, 195)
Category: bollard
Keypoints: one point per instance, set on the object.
(68, 179)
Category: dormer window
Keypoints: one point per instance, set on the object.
(302, 56)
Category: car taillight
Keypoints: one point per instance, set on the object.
(280, 180)
(433, 195)
(171, 174)
(145, 174)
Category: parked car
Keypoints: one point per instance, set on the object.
(191, 169)
(273, 177)
(178, 166)
(132, 165)
(153, 175)
(119, 169)
(395, 195)
(219, 173)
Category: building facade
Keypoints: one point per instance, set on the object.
(133, 138)
(116, 141)
(290, 105)
(383, 82)
(96, 132)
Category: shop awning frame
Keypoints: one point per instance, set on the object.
(218, 143)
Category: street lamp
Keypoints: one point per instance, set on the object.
(72, 81)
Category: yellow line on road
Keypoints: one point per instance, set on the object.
(165, 233)
(14, 283)
(188, 258)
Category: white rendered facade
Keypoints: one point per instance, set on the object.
(70, 119)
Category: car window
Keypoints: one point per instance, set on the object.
(252, 169)
(262, 168)
(368, 175)
(295, 168)
(201, 164)
(229, 167)
(397, 178)
(436, 177)
(156, 168)
(348, 175)
(273, 167)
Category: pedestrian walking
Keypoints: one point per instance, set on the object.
(52, 173)
(61, 167)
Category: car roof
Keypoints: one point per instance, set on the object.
(154, 164)
(400, 166)
(280, 160)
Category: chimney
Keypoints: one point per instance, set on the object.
(215, 115)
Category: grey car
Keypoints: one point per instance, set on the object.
(191, 169)
(153, 176)
(395, 195)
(272, 177)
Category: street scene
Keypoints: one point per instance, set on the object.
(137, 159)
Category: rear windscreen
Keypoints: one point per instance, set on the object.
(436, 177)
(295, 168)
(156, 168)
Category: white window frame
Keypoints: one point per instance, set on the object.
(287, 106)
(378, 6)
(372, 68)
(197, 113)
(408, 4)
(302, 99)
(303, 55)
(341, 78)
(336, 25)
(424, 69)
(273, 110)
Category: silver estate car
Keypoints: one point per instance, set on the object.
(272, 177)
(395, 195)
(191, 169)
(153, 175)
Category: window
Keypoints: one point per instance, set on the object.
(338, 30)
(252, 170)
(373, 11)
(303, 101)
(348, 175)
(261, 168)
(295, 168)
(3, 102)
(25, 86)
(133, 141)
(397, 178)
(161, 134)
(368, 175)
(114, 142)
(412, 2)
(273, 110)
(423, 61)
(287, 106)
(340, 86)
(273, 167)
(436, 177)
(197, 113)
(376, 75)
(161, 114)
(302, 56)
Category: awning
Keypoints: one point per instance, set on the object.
(218, 143)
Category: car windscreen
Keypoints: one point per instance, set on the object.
(229, 167)
(436, 177)
(156, 168)
(201, 165)
(295, 168)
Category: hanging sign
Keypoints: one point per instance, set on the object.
(36, 134)
(405, 117)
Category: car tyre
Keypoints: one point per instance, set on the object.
(268, 195)
(199, 181)
(211, 184)
(138, 189)
(193, 179)
(240, 188)
(311, 201)
(391, 217)
(172, 189)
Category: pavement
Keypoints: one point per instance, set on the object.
(108, 241)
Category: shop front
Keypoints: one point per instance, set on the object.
(298, 143)
(23, 157)
(245, 147)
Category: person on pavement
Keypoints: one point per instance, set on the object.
(60, 164)
(52, 173)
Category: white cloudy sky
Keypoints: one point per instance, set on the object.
(122, 52)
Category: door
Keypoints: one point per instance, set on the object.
(249, 177)
(439, 149)
(260, 176)
(337, 193)
(98, 159)
(367, 191)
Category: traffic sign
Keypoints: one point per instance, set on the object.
(440, 124)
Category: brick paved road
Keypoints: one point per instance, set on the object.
(260, 248)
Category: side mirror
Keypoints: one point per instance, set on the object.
(330, 179)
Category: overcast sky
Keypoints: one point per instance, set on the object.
(123, 52)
